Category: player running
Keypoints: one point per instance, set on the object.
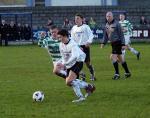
(73, 58)
(127, 31)
(83, 36)
(52, 45)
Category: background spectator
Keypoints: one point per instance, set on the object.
(20, 31)
(4, 32)
(27, 32)
(49, 23)
(67, 24)
(92, 23)
(143, 21)
(12, 31)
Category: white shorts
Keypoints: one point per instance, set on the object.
(127, 39)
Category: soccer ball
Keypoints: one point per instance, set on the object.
(38, 96)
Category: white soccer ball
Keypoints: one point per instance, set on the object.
(38, 96)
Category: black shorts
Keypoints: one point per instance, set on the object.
(86, 50)
(76, 68)
(116, 47)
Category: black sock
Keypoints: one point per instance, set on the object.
(61, 75)
(124, 65)
(91, 69)
(115, 64)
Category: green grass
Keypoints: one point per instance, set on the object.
(25, 69)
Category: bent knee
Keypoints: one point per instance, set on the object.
(68, 83)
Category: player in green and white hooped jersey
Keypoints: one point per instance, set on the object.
(127, 30)
(52, 45)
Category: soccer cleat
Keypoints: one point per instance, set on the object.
(138, 56)
(83, 76)
(89, 90)
(79, 100)
(127, 75)
(116, 76)
(92, 78)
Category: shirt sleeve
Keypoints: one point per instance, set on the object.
(105, 37)
(90, 35)
(72, 33)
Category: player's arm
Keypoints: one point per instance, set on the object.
(105, 39)
(90, 36)
(72, 33)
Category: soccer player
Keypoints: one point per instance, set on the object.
(113, 32)
(52, 45)
(127, 31)
(83, 36)
(73, 58)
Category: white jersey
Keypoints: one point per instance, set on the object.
(71, 53)
(82, 34)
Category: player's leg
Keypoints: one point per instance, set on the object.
(125, 66)
(116, 50)
(114, 59)
(82, 76)
(59, 70)
(72, 80)
(135, 52)
(88, 63)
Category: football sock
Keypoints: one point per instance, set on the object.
(123, 53)
(133, 51)
(76, 88)
(91, 69)
(82, 84)
(115, 64)
(62, 74)
(124, 65)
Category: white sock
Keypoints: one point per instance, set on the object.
(76, 88)
(123, 53)
(63, 72)
(133, 51)
(82, 84)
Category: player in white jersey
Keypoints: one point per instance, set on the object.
(52, 46)
(127, 30)
(83, 36)
(73, 58)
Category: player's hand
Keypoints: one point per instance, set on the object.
(102, 45)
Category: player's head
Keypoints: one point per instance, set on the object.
(122, 17)
(54, 30)
(63, 35)
(78, 19)
(43, 34)
(109, 16)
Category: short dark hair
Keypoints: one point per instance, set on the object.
(80, 15)
(63, 32)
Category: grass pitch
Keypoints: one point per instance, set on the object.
(25, 69)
